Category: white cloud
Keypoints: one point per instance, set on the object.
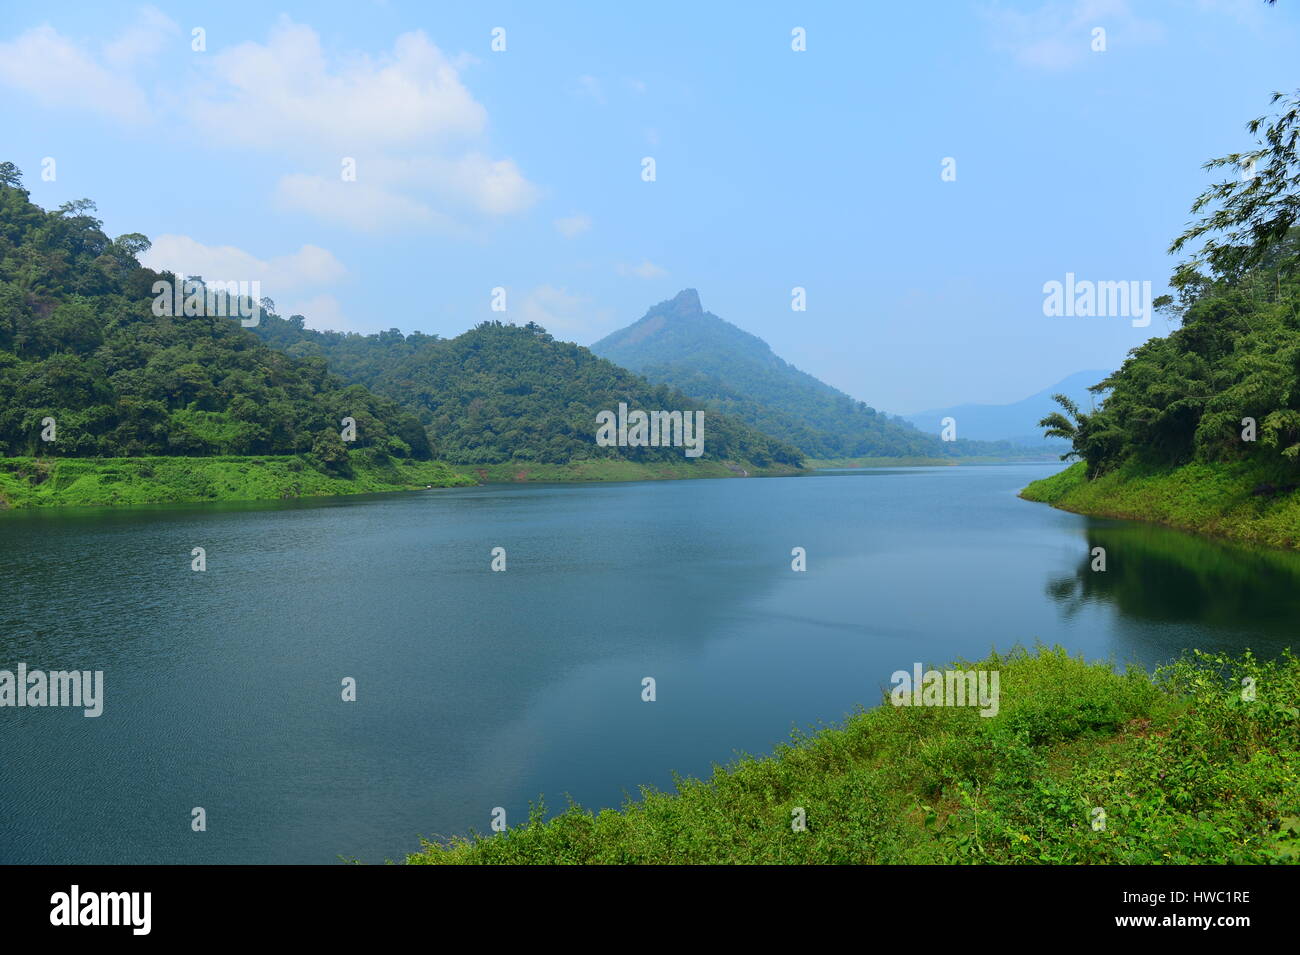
(143, 40)
(411, 126)
(323, 313)
(287, 92)
(563, 313)
(646, 270)
(308, 268)
(365, 206)
(494, 186)
(1058, 35)
(429, 192)
(414, 130)
(292, 281)
(573, 226)
(57, 71)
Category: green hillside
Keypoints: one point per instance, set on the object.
(680, 345)
(1201, 428)
(504, 393)
(80, 344)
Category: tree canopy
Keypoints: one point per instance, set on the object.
(1235, 359)
(80, 343)
(503, 392)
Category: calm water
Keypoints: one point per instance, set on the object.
(480, 689)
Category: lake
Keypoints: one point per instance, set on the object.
(478, 689)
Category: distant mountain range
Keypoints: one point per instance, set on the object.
(680, 345)
(1016, 422)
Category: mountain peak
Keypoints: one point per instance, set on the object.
(679, 345)
(684, 304)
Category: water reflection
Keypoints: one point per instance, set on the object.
(1161, 576)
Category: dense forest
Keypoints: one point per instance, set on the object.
(80, 343)
(680, 345)
(512, 393)
(1225, 385)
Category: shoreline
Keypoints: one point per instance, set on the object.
(28, 483)
(617, 470)
(940, 784)
(45, 483)
(1218, 501)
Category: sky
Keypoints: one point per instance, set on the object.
(920, 170)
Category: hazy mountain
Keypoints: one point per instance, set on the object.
(1016, 422)
(679, 344)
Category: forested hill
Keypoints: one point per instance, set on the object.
(80, 343)
(679, 344)
(501, 393)
(1224, 387)
(1200, 429)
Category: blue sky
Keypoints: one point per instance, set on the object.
(775, 168)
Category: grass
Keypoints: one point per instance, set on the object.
(96, 482)
(876, 462)
(1184, 770)
(1028, 457)
(1214, 499)
(615, 469)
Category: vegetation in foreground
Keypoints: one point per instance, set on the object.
(97, 482)
(1238, 500)
(1184, 770)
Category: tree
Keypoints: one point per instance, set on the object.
(329, 451)
(1256, 209)
(1059, 426)
(133, 244)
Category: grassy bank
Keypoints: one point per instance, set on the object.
(96, 482)
(1184, 770)
(1213, 499)
(926, 462)
(614, 469)
(879, 462)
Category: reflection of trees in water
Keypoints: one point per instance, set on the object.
(1156, 574)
